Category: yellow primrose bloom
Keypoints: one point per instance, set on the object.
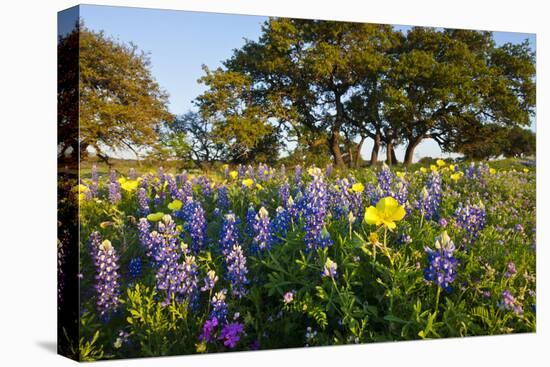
(175, 205)
(80, 188)
(440, 162)
(456, 176)
(386, 213)
(423, 169)
(433, 167)
(452, 167)
(129, 185)
(259, 187)
(248, 182)
(400, 174)
(234, 174)
(358, 187)
(226, 166)
(526, 170)
(492, 171)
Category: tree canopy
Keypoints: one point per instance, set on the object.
(121, 105)
(336, 84)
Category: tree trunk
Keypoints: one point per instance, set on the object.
(389, 156)
(335, 149)
(393, 156)
(358, 153)
(409, 152)
(375, 149)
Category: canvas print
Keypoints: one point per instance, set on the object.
(238, 183)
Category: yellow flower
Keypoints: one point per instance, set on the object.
(526, 170)
(400, 174)
(456, 176)
(433, 167)
(248, 182)
(492, 171)
(234, 174)
(129, 185)
(226, 166)
(386, 213)
(440, 162)
(175, 205)
(423, 169)
(259, 187)
(358, 187)
(452, 167)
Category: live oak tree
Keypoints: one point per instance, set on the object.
(121, 104)
(238, 121)
(444, 84)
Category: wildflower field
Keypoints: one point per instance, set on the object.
(247, 258)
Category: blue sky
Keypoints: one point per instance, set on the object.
(180, 42)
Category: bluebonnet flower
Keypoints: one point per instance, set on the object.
(298, 176)
(114, 192)
(231, 334)
(172, 186)
(250, 222)
(328, 170)
(240, 170)
(430, 199)
(443, 222)
(315, 213)
(471, 218)
(219, 307)
(518, 228)
(208, 329)
(94, 185)
(280, 225)
(510, 270)
(143, 201)
(262, 172)
(330, 269)
(223, 198)
(250, 172)
(229, 235)
(401, 193)
(470, 171)
(284, 192)
(112, 175)
(209, 281)
(106, 276)
(262, 239)
(510, 303)
(178, 281)
(196, 226)
(205, 185)
(134, 267)
(442, 264)
(385, 179)
(236, 271)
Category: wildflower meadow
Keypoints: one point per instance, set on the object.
(248, 258)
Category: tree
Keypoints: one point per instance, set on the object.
(237, 119)
(305, 72)
(121, 104)
(445, 83)
(519, 142)
(190, 138)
